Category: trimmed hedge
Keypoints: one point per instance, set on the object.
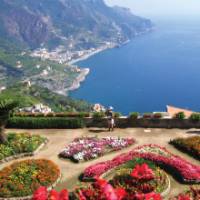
(60, 114)
(45, 122)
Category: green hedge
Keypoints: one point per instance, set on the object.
(60, 114)
(43, 123)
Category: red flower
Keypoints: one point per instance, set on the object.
(40, 194)
(54, 195)
(152, 196)
(121, 193)
(142, 172)
(64, 195)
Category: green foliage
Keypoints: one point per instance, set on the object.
(20, 143)
(6, 106)
(134, 115)
(195, 117)
(45, 122)
(180, 115)
(117, 114)
(35, 94)
(138, 161)
(61, 114)
(98, 115)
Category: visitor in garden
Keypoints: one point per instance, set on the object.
(110, 116)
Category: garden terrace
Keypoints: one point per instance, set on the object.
(58, 138)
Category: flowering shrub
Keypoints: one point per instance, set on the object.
(91, 147)
(20, 143)
(155, 153)
(23, 178)
(190, 145)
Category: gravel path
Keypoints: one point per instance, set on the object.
(58, 139)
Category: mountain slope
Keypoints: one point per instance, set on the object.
(29, 96)
(74, 23)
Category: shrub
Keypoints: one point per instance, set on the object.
(147, 115)
(157, 115)
(195, 117)
(45, 122)
(180, 115)
(117, 114)
(134, 115)
(98, 115)
(59, 114)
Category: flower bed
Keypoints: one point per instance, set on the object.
(192, 194)
(139, 176)
(23, 178)
(159, 155)
(190, 145)
(20, 144)
(100, 190)
(83, 149)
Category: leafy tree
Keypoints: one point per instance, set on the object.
(6, 106)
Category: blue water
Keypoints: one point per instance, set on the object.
(154, 70)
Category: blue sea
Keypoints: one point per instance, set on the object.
(154, 70)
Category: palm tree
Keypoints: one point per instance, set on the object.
(6, 106)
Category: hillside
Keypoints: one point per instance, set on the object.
(81, 23)
(28, 96)
(38, 39)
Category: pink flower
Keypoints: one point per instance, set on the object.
(40, 194)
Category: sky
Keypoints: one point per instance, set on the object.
(149, 8)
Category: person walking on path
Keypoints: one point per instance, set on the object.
(111, 120)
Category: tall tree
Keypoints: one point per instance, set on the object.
(6, 106)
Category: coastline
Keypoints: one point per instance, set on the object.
(79, 79)
(85, 57)
(85, 71)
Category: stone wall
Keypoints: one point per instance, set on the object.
(144, 123)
